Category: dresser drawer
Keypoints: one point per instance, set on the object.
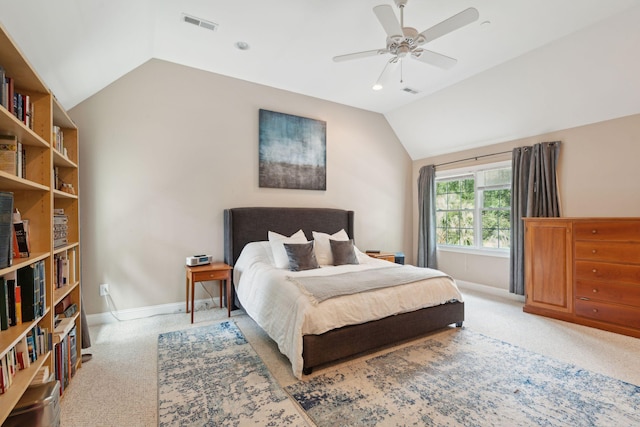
(203, 276)
(610, 313)
(607, 271)
(620, 293)
(624, 252)
(624, 231)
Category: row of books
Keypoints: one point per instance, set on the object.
(60, 221)
(23, 295)
(36, 343)
(16, 103)
(58, 140)
(63, 269)
(66, 358)
(12, 156)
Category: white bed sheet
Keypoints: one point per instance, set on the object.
(286, 314)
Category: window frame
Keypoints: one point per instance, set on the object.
(476, 249)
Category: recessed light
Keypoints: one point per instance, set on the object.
(242, 45)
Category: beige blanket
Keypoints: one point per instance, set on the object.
(321, 288)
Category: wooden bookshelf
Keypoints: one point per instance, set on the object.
(38, 196)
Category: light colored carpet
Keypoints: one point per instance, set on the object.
(118, 386)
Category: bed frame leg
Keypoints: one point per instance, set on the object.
(458, 324)
(307, 371)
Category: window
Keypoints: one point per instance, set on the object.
(473, 207)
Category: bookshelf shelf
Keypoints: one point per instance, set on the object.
(60, 293)
(19, 263)
(49, 139)
(10, 125)
(60, 160)
(11, 336)
(10, 182)
(21, 381)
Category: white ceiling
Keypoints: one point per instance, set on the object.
(495, 90)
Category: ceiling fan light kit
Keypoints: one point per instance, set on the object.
(405, 42)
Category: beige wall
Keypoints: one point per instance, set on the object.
(166, 148)
(598, 175)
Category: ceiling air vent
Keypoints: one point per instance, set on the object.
(199, 22)
(409, 90)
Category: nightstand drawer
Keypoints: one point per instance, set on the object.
(203, 276)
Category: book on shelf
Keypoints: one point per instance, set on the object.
(3, 87)
(9, 154)
(6, 229)
(61, 270)
(42, 376)
(60, 221)
(22, 354)
(58, 140)
(18, 297)
(11, 291)
(23, 108)
(8, 301)
(32, 282)
(21, 241)
(8, 368)
(4, 305)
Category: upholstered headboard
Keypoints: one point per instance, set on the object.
(244, 225)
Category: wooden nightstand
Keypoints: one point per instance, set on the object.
(202, 273)
(387, 256)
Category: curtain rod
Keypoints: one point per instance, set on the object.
(474, 158)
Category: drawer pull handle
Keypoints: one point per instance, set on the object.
(595, 310)
(593, 251)
(594, 231)
(595, 291)
(594, 270)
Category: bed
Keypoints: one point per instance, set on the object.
(249, 227)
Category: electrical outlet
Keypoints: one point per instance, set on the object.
(104, 289)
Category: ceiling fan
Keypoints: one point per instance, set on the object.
(406, 41)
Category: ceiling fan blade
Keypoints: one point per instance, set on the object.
(358, 55)
(435, 59)
(459, 20)
(388, 19)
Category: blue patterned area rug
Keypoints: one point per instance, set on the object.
(211, 376)
(462, 378)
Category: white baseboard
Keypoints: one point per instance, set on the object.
(154, 310)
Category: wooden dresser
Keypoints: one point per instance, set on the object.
(584, 270)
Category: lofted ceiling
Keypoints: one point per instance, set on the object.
(514, 63)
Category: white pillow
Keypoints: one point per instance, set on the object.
(322, 247)
(277, 242)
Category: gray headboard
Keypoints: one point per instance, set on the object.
(244, 225)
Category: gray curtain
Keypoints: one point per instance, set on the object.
(427, 217)
(534, 193)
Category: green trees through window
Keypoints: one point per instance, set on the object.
(473, 210)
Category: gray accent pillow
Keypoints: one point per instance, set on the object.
(343, 252)
(301, 256)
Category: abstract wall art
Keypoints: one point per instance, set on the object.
(293, 151)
